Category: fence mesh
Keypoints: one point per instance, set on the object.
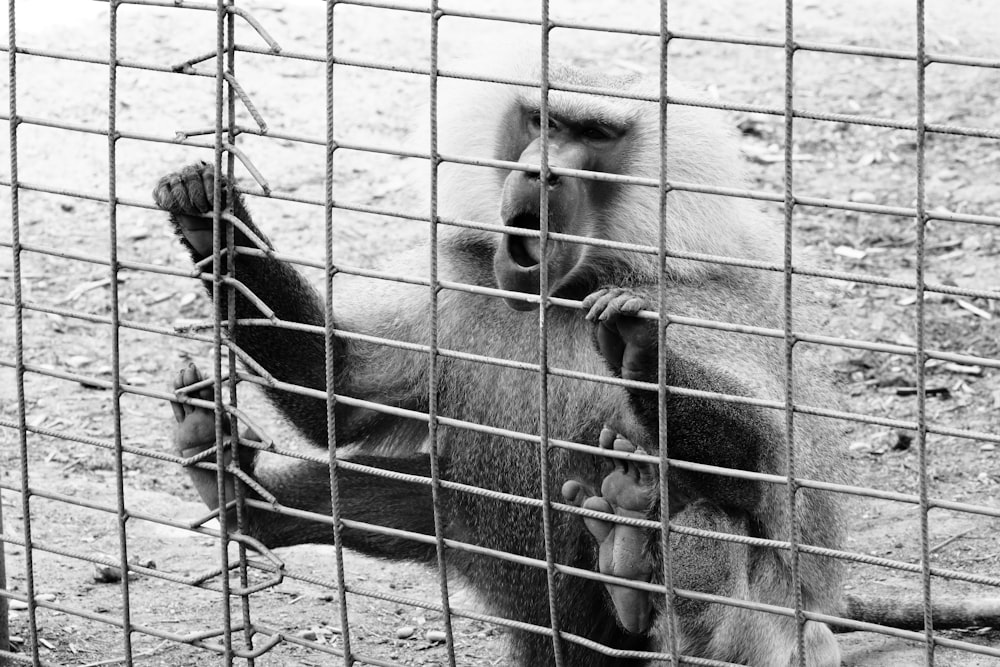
(871, 137)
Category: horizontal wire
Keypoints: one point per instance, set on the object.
(675, 35)
(347, 464)
(743, 193)
(981, 436)
(74, 500)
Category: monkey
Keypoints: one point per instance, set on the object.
(591, 133)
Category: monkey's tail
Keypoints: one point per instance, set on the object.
(908, 613)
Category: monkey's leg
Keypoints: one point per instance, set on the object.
(628, 491)
(733, 436)
(305, 485)
(730, 569)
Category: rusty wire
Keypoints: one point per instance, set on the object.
(219, 639)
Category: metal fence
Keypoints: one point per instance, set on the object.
(238, 627)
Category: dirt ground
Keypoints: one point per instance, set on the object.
(833, 160)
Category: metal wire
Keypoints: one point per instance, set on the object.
(116, 414)
(795, 527)
(434, 352)
(19, 366)
(219, 299)
(921, 357)
(543, 339)
(260, 639)
(673, 640)
(333, 459)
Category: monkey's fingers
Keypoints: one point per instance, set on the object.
(595, 303)
(622, 304)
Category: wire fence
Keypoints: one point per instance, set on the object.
(943, 487)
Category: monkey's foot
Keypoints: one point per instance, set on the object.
(627, 491)
(194, 432)
(629, 344)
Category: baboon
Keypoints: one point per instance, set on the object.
(597, 134)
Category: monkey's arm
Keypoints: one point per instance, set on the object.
(700, 430)
(291, 356)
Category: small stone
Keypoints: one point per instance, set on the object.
(436, 636)
(17, 605)
(148, 563)
(863, 197)
(106, 574)
(859, 447)
(903, 440)
(307, 634)
(405, 631)
(45, 597)
(971, 243)
(987, 447)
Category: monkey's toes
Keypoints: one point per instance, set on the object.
(195, 428)
(574, 492)
(601, 530)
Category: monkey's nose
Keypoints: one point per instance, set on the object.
(552, 180)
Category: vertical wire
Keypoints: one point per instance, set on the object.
(543, 342)
(328, 331)
(921, 357)
(432, 371)
(218, 290)
(789, 196)
(661, 339)
(4, 607)
(116, 390)
(234, 427)
(22, 426)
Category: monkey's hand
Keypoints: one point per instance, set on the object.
(188, 195)
(627, 342)
(628, 491)
(194, 433)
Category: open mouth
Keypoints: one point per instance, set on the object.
(524, 250)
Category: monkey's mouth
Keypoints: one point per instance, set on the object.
(526, 251)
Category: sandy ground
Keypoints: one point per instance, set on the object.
(835, 160)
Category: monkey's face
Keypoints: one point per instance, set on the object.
(573, 203)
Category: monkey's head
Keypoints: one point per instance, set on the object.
(608, 136)
(591, 137)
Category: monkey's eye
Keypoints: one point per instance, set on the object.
(536, 121)
(596, 133)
